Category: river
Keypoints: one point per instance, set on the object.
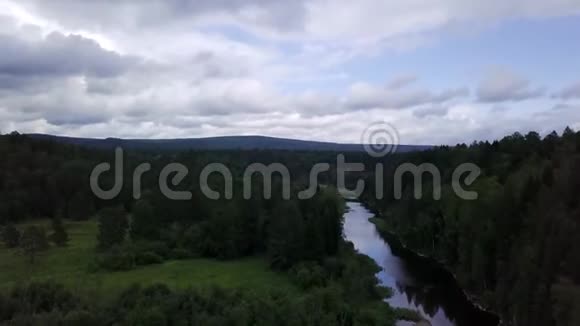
(416, 284)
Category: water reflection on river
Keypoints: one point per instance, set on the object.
(434, 300)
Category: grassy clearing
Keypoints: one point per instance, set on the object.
(69, 266)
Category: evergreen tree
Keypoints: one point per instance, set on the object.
(59, 235)
(286, 236)
(245, 230)
(315, 246)
(33, 241)
(144, 223)
(220, 237)
(68, 183)
(113, 226)
(568, 133)
(331, 211)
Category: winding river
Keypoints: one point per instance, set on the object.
(416, 282)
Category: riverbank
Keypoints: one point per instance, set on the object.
(465, 306)
(409, 291)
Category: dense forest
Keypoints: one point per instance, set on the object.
(512, 248)
(516, 246)
(52, 304)
(300, 238)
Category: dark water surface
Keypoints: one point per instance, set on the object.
(417, 284)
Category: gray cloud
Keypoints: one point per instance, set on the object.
(402, 81)
(363, 96)
(26, 84)
(563, 107)
(76, 119)
(450, 94)
(501, 85)
(570, 92)
(45, 78)
(138, 14)
(435, 111)
(58, 55)
(64, 104)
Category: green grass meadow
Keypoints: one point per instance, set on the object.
(69, 265)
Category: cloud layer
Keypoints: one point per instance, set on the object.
(180, 68)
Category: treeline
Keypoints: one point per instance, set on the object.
(287, 231)
(47, 179)
(50, 304)
(516, 245)
(44, 179)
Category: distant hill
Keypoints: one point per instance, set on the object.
(217, 143)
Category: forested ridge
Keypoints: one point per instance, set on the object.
(298, 238)
(516, 246)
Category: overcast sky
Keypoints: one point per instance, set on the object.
(440, 71)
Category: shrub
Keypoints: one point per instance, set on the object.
(116, 260)
(333, 266)
(144, 317)
(148, 258)
(180, 253)
(80, 318)
(33, 241)
(7, 308)
(59, 236)
(159, 248)
(309, 275)
(11, 236)
(44, 319)
(193, 239)
(43, 297)
(94, 265)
